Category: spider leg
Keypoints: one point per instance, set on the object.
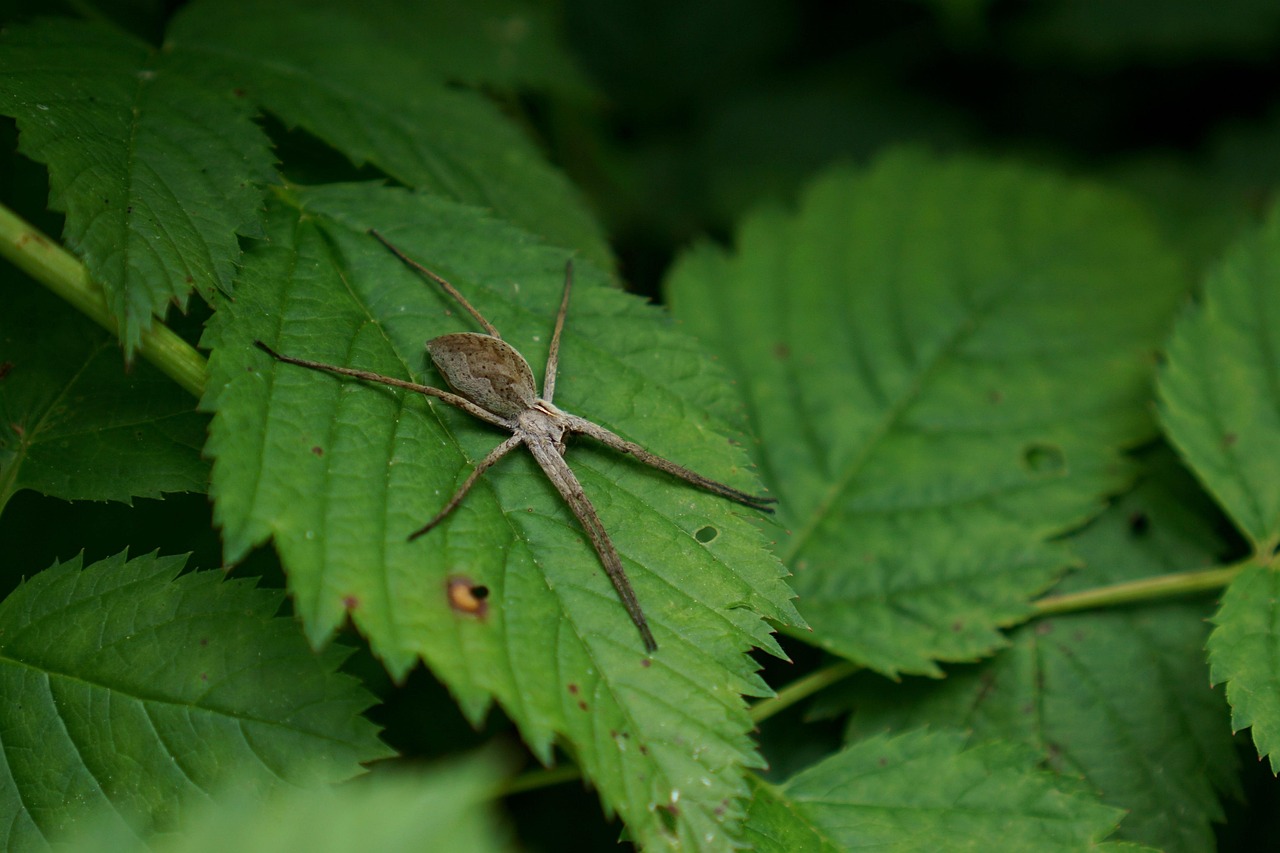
(448, 288)
(368, 376)
(560, 475)
(553, 354)
(486, 463)
(620, 444)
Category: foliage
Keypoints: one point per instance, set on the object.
(1020, 420)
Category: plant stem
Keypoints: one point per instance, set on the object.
(803, 688)
(1147, 589)
(543, 778)
(1162, 586)
(55, 268)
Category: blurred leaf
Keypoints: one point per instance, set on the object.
(131, 689)
(925, 791)
(74, 423)
(447, 807)
(1244, 651)
(765, 143)
(154, 171)
(338, 473)
(1157, 746)
(1167, 31)
(383, 101)
(942, 360)
(1219, 402)
(1207, 202)
(505, 44)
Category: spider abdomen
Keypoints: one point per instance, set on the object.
(486, 370)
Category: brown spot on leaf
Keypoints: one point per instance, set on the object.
(781, 350)
(350, 602)
(467, 596)
(318, 450)
(5, 368)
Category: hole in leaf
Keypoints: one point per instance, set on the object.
(468, 597)
(1044, 459)
(1139, 523)
(706, 534)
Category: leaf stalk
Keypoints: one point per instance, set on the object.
(57, 269)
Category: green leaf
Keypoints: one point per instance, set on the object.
(503, 44)
(1105, 34)
(154, 170)
(339, 473)
(1219, 400)
(1158, 745)
(382, 100)
(132, 689)
(942, 360)
(73, 423)
(1220, 406)
(447, 807)
(1244, 651)
(925, 791)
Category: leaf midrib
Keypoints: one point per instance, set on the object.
(963, 329)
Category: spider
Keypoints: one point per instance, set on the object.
(493, 382)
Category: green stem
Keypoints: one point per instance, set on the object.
(55, 268)
(1147, 589)
(803, 688)
(538, 779)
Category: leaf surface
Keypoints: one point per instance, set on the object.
(134, 690)
(925, 791)
(1244, 651)
(1220, 405)
(447, 807)
(154, 170)
(1157, 745)
(73, 423)
(383, 99)
(338, 473)
(1219, 394)
(941, 360)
